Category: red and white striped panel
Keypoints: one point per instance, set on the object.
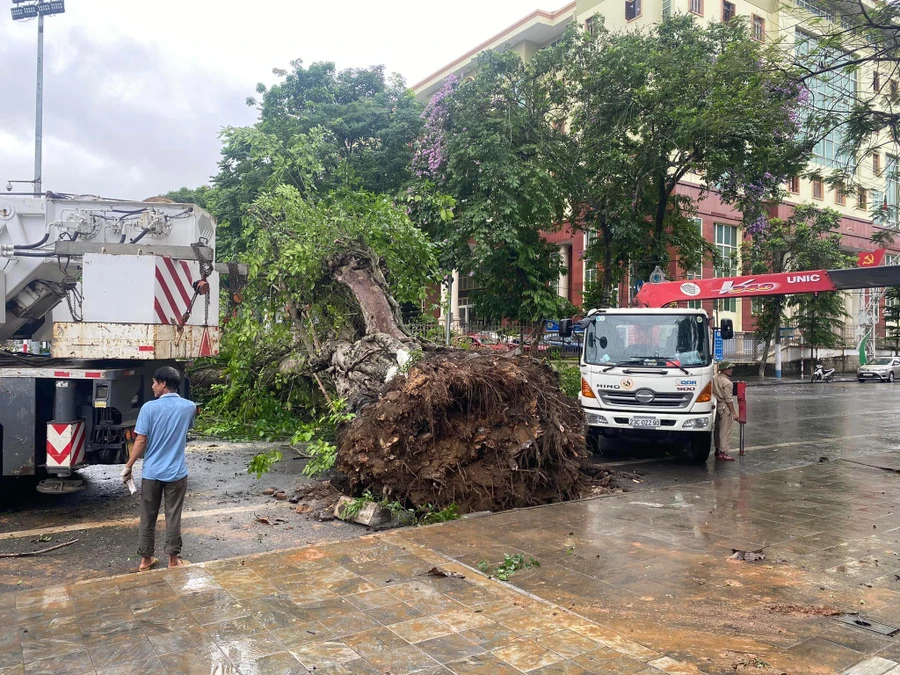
(174, 289)
(65, 445)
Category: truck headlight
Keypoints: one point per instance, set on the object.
(594, 419)
(696, 423)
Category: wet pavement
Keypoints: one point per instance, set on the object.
(220, 518)
(641, 582)
(656, 565)
(790, 425)
(358, 608)
(633, 583)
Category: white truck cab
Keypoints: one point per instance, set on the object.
(649, 372)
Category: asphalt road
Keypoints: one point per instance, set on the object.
(790, 425)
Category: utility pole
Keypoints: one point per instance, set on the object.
(39, 106)
(22, 10)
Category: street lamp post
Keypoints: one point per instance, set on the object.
(22, 10)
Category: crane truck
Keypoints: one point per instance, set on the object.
(648, 370)
(118, 289)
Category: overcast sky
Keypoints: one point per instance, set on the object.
(136, 93)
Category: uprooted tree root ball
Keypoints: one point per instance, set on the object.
(481, 430)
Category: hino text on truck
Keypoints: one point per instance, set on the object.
(132, 285)
(648, 370)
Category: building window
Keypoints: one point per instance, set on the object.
(632, 9)
(727, 245)
(840, 197)
(794, 185)
(728, 11)
(876, 81)
(696, 6)
(591, 25)
(667, 9)
(818, 189)
(876, 164)
(834, 92)
(759, 28)
(817, 8)
(862, 199)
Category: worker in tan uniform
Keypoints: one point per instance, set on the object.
(726, 410)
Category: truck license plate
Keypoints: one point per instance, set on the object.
(644, 422)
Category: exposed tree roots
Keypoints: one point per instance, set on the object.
(482, 430)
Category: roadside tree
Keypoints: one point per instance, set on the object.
(808, 239)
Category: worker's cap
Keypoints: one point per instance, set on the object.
(725, 365)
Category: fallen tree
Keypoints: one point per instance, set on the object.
(430, 425)
(476, 429)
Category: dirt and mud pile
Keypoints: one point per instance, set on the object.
(481, 430)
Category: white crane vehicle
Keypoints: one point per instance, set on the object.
(132, 285)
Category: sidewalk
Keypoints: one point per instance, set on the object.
(627, 584)
(365, 607)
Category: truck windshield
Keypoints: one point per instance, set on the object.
(657, 340)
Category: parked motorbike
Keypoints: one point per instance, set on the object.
(823, 374)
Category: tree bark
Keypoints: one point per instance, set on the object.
(357, 370)
(360, 272)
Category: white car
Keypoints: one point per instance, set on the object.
(882, 369)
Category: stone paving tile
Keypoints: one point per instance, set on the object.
(447, 648)
(419, 630)
(528, 655)
(321, 654)
(206, 661)
(404, 661)
(482, 664)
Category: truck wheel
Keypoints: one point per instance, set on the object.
(701, 444)
(593, 441)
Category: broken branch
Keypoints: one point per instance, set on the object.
(28, 554)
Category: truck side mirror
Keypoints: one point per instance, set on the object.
(565, 328)
(727, 328)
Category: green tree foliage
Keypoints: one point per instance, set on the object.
(198, 196)
(364, 121)
(807, 240)
(650, 109)
(600, 130)
(485, 145)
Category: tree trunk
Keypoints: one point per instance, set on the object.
(764, 358)
(358, 370)
(607, 265)
(361, 273)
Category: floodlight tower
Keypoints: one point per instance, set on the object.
(28, 9)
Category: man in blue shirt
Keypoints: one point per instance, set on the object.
(161, 433)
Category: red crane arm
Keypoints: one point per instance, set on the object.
(788, 283)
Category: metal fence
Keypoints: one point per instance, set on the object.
(500, 336)
(743, 349)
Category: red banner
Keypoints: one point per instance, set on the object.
(871, 258)
(660, 295)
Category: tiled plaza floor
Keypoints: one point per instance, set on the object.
(627, 584)
(656, 566)
(362, 607)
